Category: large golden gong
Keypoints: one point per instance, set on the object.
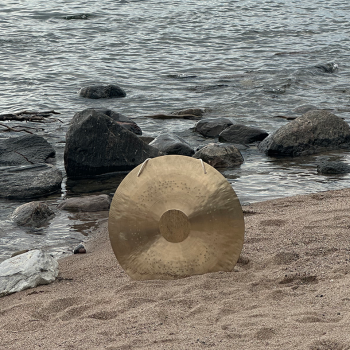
(173, 217)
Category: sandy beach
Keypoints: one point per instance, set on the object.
(289, 290)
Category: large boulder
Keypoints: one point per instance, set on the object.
(314, 132)
(29, 181)
(239, 133)
(25, 150)
(27, 270)
(97, 144)
(86, 204)
(172, 144)
(102, 91)
(122, 120)
(220, 156)
(212, 127)
(32, 214)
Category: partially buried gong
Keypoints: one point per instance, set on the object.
(173, 217)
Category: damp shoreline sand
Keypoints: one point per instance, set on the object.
(289, 290)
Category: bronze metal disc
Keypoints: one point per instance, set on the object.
(173, 217)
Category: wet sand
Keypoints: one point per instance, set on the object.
(289, 290)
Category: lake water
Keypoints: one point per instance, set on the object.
(247, 60)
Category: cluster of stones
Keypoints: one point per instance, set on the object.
(102, 141)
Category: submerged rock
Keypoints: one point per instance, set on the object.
(32, 214)
(329, 67)
(220, 156)
(102, 91)
(27, 270)
(97, 144)
(314, 132)
(212, 127)
(25, 150)
(172, 144)
(238, 133)
(198, 112)
(87, 204)
(304, 108)
(29, 181)
(333, 167)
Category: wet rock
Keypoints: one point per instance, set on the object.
(27, 270)
(102, 91)
(80, 16)
(329, 67)
(333, 167)
(172, 144)
(220, 156)
(25, 150)
(304, 108)
(181, 76)
(86, 204)
(198, 112)
(146, 139)
(32, 214)
(80, 249)
(238, 133)
(96, 144)
(314, 132)
(212, 127)
(29, 181)
(122, 120)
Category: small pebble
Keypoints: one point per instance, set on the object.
(80, 249)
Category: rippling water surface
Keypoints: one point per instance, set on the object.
(246, 60)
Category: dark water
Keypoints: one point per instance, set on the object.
(246, 60)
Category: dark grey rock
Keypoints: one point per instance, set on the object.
(220, 156)
(212, 127)
(80, 249)
(102, 91)
(304, 108)
(330, 67)
(87, 203)
(122, 120)
(25, 150)
(238, 133)
(172, 144)
(96, 144)
(29, 181)
(333, 167)
(32, 214)
(314, 132)
(79, 16)
(198, 112)
(146, 139)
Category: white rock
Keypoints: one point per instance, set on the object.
(27, 270)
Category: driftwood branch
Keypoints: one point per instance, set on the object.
(30, 116)
(14, 128)
(173, 116)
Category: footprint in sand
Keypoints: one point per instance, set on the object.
(56, 306)
(265, 333)
(328, 345)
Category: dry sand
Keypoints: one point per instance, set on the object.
(290, 290)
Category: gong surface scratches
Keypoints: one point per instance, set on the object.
(175, 220)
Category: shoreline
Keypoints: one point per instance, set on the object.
(289, 290)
